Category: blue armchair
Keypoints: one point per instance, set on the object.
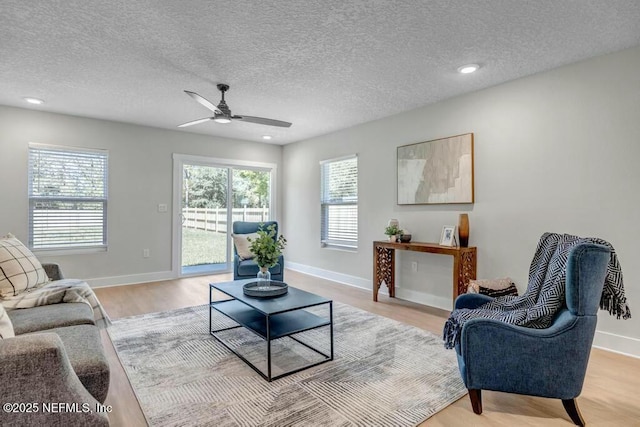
(247, 269)
(552, 362)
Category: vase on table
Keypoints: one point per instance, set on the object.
(264, 273)
(463, 230)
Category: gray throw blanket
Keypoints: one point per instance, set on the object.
(545, 295)
(57, 292)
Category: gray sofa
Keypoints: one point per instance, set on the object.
(56, 356)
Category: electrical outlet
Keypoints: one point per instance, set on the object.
(162, 208)
(145, 253)
(414, 266)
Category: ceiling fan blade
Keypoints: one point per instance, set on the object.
(203, 101)
(262, 121)
(195, 122)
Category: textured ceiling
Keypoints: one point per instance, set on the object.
(322, 64)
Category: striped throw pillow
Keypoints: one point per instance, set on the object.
(493, 287)
(20, 270)
(495, 293)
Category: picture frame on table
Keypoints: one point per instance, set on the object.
(448, 236)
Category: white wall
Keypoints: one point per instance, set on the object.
(557, 151)
(140, 177)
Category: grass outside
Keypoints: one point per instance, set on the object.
(203, 247)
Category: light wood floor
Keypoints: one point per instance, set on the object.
(609, 396)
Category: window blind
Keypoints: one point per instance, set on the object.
(67, 197)
(339, 202)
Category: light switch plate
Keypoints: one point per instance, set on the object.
(162, 207)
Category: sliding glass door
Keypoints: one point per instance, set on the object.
(251, 195)
(204, 219)
(212, 194)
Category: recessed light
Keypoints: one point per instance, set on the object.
(266, 136)
(35, 101)
(469, 68)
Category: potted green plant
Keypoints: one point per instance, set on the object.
(266, 249)
(393, 231)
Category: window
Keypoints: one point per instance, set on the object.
(339, 203)
(67, 197)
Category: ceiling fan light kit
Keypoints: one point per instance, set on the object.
(222, 113)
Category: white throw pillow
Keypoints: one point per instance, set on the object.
(242, 244)
(6, 327)
(20, 270)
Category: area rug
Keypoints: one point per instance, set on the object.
(384, 373)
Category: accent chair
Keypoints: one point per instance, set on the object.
(551, 362)
(248, 268)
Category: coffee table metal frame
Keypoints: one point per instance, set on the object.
(270, 323)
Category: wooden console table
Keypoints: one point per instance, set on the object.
(384, 264)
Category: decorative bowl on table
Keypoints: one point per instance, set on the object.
(405, 238)
(265, 288)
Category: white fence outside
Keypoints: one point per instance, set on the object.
(216, 219)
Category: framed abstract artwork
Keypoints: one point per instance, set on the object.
(436, 172)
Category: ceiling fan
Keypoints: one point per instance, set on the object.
(222, 113)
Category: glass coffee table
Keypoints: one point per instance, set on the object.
(271, 319)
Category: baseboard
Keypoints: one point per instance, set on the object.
(617, 343)
(359, 282)
(425, 299)
(345, 279)
(102, 282)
